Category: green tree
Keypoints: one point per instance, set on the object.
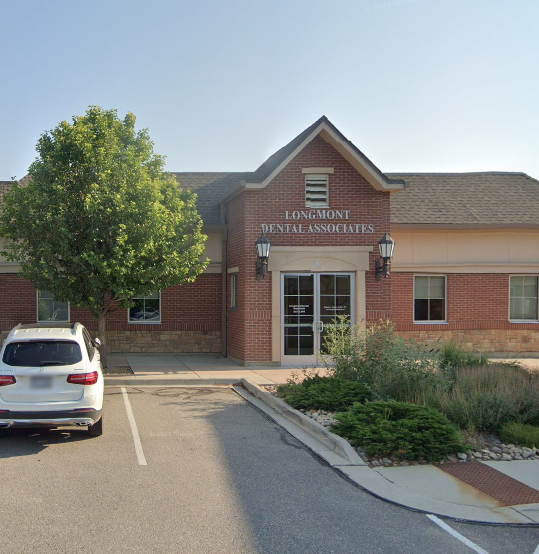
(99, 221)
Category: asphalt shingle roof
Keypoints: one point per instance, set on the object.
(493, 198)
(490, 198)
(211, 189)
(275, 160)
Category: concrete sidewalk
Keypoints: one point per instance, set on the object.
(192, 369)
(427, 488)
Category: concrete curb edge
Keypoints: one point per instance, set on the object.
(330, 440)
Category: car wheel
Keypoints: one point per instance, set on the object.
(3, 433)
(96, 430)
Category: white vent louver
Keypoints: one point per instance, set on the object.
(316, 191)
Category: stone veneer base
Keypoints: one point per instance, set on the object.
(514, 341)
(164, 341)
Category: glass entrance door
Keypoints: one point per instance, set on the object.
(312, 302)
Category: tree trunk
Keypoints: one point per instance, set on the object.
(102, 335)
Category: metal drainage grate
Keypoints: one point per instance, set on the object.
(496, 484)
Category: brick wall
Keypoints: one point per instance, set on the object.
(249, 326)
(190, 315)
(237, 256)
(477, 314)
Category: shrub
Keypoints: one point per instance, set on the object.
(485, 397)
(521, 434)
(398, 429)
(392, 367)
(473, 394)
(324, 393)
(452, 355)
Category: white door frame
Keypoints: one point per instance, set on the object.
(315, 259)
(317, 325)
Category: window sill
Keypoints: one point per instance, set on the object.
(431, 322)
(144, 322)
(524, 321)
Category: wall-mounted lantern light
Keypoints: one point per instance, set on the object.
(263, 251)
(386, 246)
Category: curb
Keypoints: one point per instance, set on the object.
(333, 442)
(343, 458)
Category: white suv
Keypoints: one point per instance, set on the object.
(50, 377)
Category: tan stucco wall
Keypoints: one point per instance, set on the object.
(467, 251)
(214, 251)
(7, 267)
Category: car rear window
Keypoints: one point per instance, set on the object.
(42, 353)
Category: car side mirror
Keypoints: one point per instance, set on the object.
(97, 342)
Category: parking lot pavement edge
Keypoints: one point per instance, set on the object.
(343, 458)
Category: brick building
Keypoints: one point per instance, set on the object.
(465, 266)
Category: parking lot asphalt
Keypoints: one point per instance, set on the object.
(426, 487)
(219, 477)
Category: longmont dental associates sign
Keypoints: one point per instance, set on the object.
(317, 221)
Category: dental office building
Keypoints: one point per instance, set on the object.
(465, 264)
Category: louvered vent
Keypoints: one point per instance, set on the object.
(316, 191)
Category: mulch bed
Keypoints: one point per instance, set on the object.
(126, 370)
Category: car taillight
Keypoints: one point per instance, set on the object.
(7, 380)
(83, 378)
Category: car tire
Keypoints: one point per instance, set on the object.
(3, 433)
(96, 430)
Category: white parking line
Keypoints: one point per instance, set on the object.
(457, 535)
(536, 550)
(134, 430)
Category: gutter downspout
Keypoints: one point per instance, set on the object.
(224, 281)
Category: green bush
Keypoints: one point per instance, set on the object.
(398, 429)
(485, 397)
(323, 393)
(521, 434)
(392, 367)
(452, 355)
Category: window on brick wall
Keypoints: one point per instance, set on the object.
(523, 297)
(146, 309)
(429, 298)
(49, 309)
(316, 191)
(234, 290)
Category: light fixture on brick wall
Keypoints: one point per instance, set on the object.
(386, 246)
(263, 251)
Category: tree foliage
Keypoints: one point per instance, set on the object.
(99, 221)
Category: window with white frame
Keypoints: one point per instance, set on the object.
(234, 290)
(49, 309)
(523, 297)
(430, 298)
(316, 191)
(146, 309)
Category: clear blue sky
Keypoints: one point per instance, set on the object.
(417, 85)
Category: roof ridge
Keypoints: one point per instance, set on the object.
(429, 173)
(208, 172)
